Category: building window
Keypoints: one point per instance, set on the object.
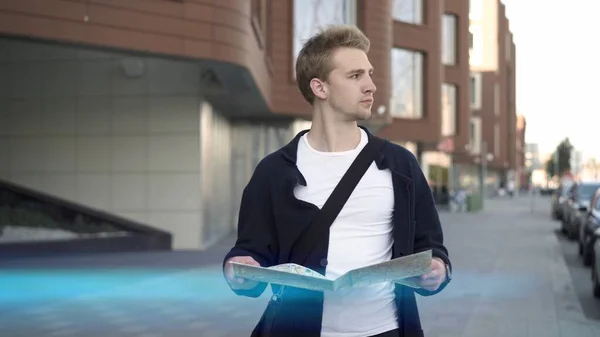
(496, 99)
(410, 11)
(448, 109)
(475, 135)
(449, 37)
(470, 40)
(475, 88)
(312, 15)
(407, 84)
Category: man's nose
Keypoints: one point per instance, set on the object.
(370, 86)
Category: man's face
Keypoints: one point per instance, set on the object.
(350, 87)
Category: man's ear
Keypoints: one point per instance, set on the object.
(318, 88)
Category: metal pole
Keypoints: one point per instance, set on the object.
(484, 169)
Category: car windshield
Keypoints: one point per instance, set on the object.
(565, 188)
(586, 191)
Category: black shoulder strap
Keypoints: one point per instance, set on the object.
(332, 207)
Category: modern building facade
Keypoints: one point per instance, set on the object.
(533, 157)
(430, 86)
(493, 121)
(159, 111)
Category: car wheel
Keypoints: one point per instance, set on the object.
(572, 234)
(595, 282)
(587, 257)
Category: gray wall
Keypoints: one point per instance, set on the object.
(128, 135)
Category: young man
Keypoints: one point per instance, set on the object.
(389, 214)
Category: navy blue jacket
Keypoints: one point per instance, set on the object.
(271, 220)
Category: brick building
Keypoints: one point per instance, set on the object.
(493, 99)
(158, 111)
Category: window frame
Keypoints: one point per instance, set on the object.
(451, 91)
(419, 58)
(450, 57)
(350, 16)
(475, 87)
(418, 13)
(475, 141)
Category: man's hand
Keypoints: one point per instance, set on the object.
(432, 280)
(239, 283)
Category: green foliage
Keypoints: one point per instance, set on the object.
(563, 150)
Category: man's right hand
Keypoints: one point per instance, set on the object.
(239, 283)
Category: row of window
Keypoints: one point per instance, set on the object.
(407, 65)
(475, 138)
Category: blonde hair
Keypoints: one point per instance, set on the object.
(314, 59)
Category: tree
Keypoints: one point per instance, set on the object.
(563, 149)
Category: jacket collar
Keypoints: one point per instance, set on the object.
(290, 151)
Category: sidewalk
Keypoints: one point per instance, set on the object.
(510, 277)
(510, 280)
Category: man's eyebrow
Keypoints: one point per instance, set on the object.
(360, 71)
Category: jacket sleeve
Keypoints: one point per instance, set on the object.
(428, 229)
(256, 227)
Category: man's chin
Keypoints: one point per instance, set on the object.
(360, 115)
(363, 115)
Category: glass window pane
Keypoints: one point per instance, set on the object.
(407, 84)
(448, 109)
(312, 15)
(587, 191)
(449, 40)
(410, 11)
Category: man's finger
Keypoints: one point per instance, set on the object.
(245, 260)
(429, 283)
(432, 274)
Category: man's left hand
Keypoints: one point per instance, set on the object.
(432, 280)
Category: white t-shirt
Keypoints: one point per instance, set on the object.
(361, 235)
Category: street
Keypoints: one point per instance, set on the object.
(513, 276)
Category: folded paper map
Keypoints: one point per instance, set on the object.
(397, 270)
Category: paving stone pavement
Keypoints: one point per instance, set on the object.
(510, 279)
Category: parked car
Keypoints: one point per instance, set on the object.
(577, 204)
(559, 199)
(596, 265)
(589, 225)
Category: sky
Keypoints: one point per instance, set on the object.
(558, 71)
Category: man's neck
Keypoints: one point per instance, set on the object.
(330, 135)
